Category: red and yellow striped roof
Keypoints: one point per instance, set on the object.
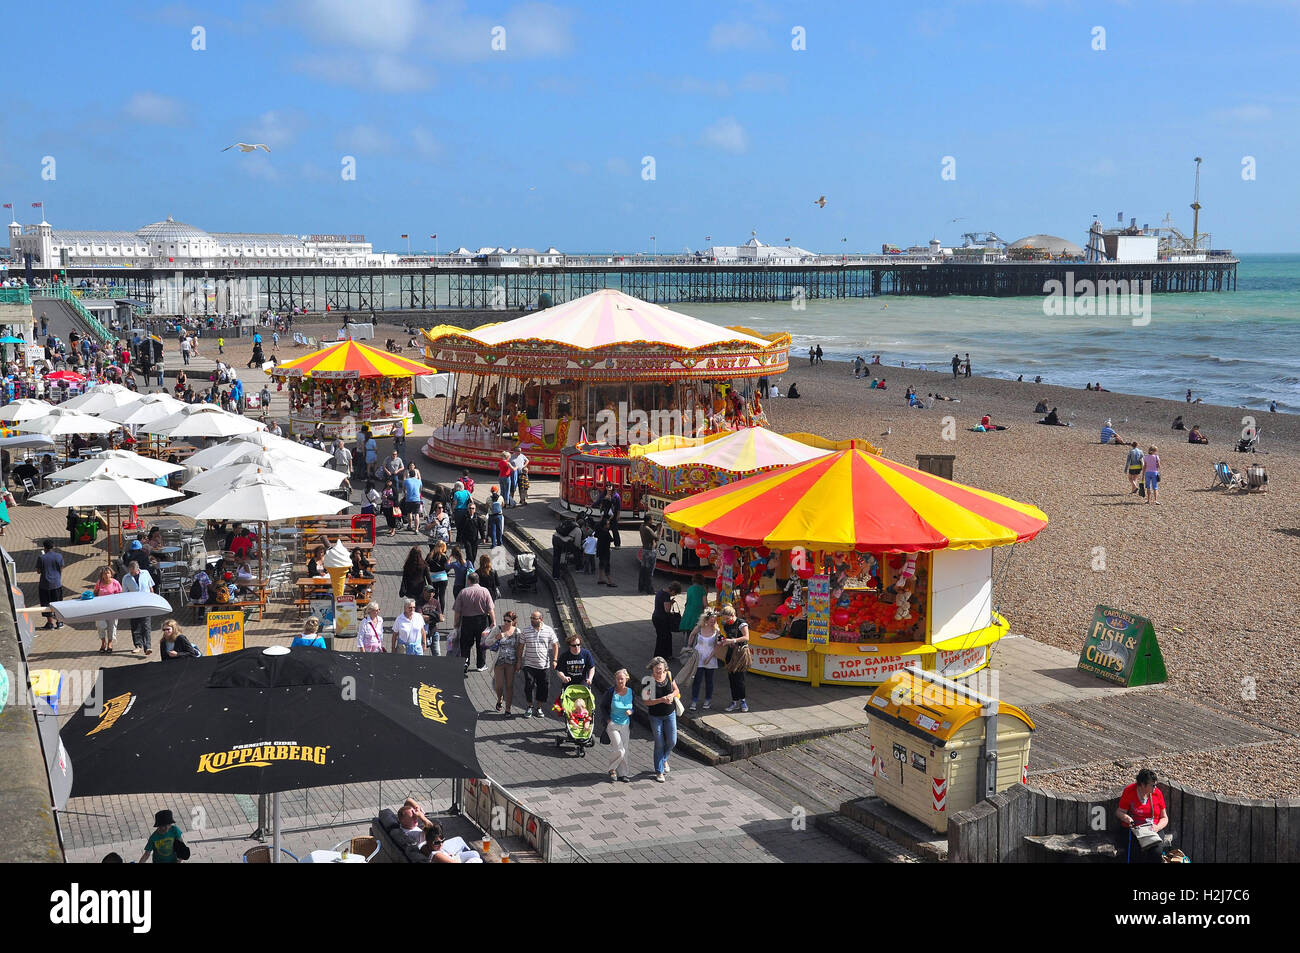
(852, 500)
(349, 359)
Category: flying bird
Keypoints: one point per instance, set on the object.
(821, 202)
(246, 147)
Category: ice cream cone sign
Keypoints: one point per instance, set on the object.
(338, 563)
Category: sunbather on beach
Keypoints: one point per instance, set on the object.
(1053, 420)
(987, 423)
(1195, 436)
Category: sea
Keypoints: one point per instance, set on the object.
(1237, 348)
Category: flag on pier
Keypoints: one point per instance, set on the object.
(405, 236)
(37, 204)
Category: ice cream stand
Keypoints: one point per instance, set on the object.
(850, 567)
(672, 468)
(349, 384)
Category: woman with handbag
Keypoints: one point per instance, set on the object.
(437, 575)
(370, 631)
(706, 639)
(504, 641)
(414, 573)
(736, 641)
(391, 507)
(662, 698)
(487, 576)
(666, 618)
(615, 709)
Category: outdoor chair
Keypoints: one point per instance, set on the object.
(28, 490)
(1228, 478)
(367, 847)
(262, 854)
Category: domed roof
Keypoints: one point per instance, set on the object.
(171, 231)
(1052, 244)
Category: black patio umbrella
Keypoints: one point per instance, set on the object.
(262, 721)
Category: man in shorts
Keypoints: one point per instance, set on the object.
(411, 487)
(1133, 464)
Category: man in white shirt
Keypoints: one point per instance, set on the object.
(409, 631)
(517, 463)
(139, 580)
(342, 456)
(539, 650)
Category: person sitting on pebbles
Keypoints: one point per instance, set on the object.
(1195, 436)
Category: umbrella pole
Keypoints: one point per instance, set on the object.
(275, 827)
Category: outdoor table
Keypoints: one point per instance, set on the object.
(168, 550)
(332, 857)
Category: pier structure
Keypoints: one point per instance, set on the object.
(435, 286)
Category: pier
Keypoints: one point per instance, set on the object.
(436, 284)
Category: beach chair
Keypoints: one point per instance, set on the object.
(1228, 478)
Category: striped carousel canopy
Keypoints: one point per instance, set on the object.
(607, 318)
(748, 450)
(351, 359)
(853, 500)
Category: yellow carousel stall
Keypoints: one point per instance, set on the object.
(607, 365)
(346, 385)
(850, 567)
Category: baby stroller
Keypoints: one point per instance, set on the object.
(1249, 443)
(525, 575)
(579, 734)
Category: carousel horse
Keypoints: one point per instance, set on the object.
(492, 405)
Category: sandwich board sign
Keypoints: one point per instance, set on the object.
(1121, 647)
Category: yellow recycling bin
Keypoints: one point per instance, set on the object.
(938, 747)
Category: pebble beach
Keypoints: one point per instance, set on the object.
(1213, 569)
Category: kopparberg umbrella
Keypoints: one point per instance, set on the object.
(262, 721)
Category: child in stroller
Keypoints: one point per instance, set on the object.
(575, 705)
(525, 574)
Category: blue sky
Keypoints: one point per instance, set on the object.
(543, 143)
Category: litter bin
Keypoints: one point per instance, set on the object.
(940, 464)
(934, 750)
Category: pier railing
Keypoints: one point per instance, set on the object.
(63, 293)
(15, 296)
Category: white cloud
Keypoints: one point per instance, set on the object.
(762, 83)
(736, 35)
(382, 25)
(278, 128)
(539, 29)
(616, 166)
(257, 166)
(393, 75)
(155, 109)
(726, 134)
(365, 139)
(426, 145)
(578, 166)
(1249, 112)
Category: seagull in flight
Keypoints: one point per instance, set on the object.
(246, 147)
(821, 202)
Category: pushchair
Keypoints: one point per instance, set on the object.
(525, 574)
(579, 734)
(1249, 443)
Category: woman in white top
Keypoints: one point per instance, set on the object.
(440, 524)
(504, 640)
(370, 631)
(704, 639)
(409, 631)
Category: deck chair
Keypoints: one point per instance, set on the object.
(1226, 477)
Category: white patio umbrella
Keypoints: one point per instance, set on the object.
(261, 498)
(25, 408)
(103, 397)
(61, 422)
(26, 441)
(146, 410)
(202, 420)
(291, 471)
(237, 446)
(106, 490)
(118, 463)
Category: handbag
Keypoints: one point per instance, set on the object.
(604, 736)
(181, 849)
(681, 709)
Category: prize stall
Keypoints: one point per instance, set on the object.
(346, 385)
(606, 365)
(673, 468)
(850, 567)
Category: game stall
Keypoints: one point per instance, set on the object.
(850, 567)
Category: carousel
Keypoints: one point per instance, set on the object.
(347, 385)
(850, 567)
(620, 369)
(673, 468)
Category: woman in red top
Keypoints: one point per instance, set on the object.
(1142, 804)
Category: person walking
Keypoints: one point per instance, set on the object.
(409, 631)
(968, 364)
(165, 843)
(504, 640)
(412, 487)
(49, 585)
(474, 531)
(604, 539)
(611, 507)
(185, 350)
(388, 501)
(577, 666)
(1151, 474)
(415, 573)
(956, 365)
(506, 477)
(473, 613)
(539, 650)
(370, 630)
(440, 524)
(661, 697)
(221, 345)
(696, 594)
(704, 639)
(1133, 465)
(436, 575)
(496, 518)
(139, 580)
(648, 556)
(615, 711)
(736, 632)
(106, 585)
(665, 618)
(518, 466)
(487, 576)
(459, 568)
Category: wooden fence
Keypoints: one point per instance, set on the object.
(1207, 827)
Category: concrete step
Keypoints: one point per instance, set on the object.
(865, 841)
(902, 829)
